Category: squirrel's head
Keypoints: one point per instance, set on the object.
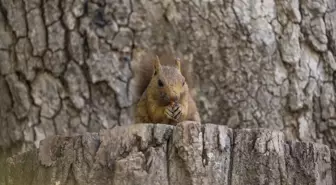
(167, 84)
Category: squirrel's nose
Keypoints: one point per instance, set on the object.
(165, 97)
(173, 98)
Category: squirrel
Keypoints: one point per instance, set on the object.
(165, 97)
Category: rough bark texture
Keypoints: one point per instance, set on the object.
(333, 164)
(188, 154)
(65, 65)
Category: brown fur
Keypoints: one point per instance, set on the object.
(143, 68)
(150, 104)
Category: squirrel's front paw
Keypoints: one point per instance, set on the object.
(174, 112)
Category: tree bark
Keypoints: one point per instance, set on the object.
(188, 154)
(65, 65)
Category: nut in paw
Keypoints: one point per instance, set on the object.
(174, 112)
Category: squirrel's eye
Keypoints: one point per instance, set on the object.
(183, 83)
(160, 83)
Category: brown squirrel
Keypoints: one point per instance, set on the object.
(164, 93)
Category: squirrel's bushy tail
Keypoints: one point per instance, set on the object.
(142, 67)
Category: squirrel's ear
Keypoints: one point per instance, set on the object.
(178, 63)
(157, 65)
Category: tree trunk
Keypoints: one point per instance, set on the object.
(265, 63)
(188, 154)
